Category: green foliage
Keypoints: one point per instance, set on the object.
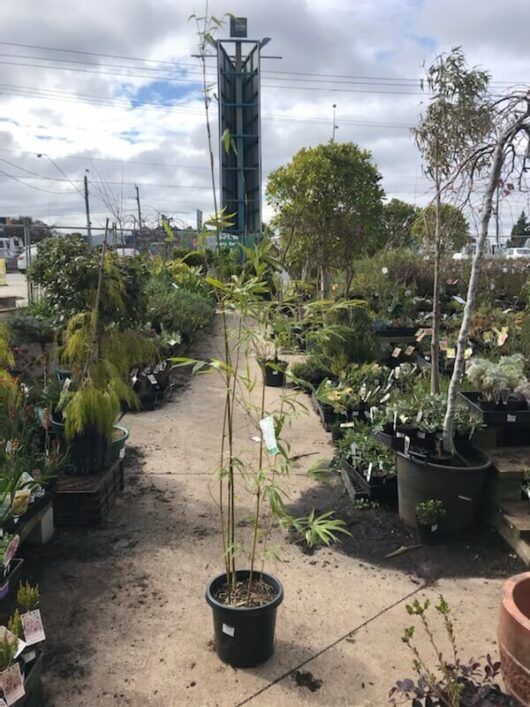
(398, 218)
(311, 371)
(520, 231)
(456, 118)
(28, 596)
(320, 529)
(338, 346)
(67, 270)
(8, 650)
(430, 512)
(97, 401)
(328, 206)
(32, 323)
(14, 624)
(178, 310)
(493, 380)
(361, 448)
(454, 229)
(6, 357)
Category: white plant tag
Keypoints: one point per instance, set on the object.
(12, 684)
(33, 628)
(229, 630)
(406, 444)
(434, 528)
(395, 420)
(122, 453)
(369, 471)
(269, 435)
(353, 450)
(396, 352)
(465, 498)
(151, 378)
(511, 418)
(66, 384)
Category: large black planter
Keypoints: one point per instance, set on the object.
(89, 452)
(274, 372)
(459, 488)
(244, 637)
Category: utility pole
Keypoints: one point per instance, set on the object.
(335, 126)
(139, 207)
(88, 224)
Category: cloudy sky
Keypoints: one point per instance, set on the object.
(110, 86)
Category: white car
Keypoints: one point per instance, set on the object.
(22, 263)
(515, 253)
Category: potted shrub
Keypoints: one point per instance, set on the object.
(514, 636)
(496, 382)
(100, 356)
(371, 466)
(428, 517)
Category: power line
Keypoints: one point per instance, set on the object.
(180, 65)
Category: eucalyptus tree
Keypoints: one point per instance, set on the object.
(456, 119)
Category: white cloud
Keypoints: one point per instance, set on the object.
(164, 149)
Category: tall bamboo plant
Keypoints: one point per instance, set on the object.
(245, 322)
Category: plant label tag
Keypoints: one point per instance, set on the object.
(459, 299)
(427, 358)
(229, 630)
(451, 352)
(134, 373)
(269, 434)
(369, 471)
(419, 334)
(395, 420)
(465, 498)
(33, 627)
(409, 350)
(511, 418)
(12, 684)
(468, 353)
(353, 450)
(443, 345)
(434, 528)
(122, 453)
(3, 703)
(406, 444)
(385, 398)
(151, 378)
(11, 549)
(396, 352)
(21, 501)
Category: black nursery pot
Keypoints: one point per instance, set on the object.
(274, 372)
(244, 637)
(428, 534)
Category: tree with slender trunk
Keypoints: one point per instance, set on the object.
(456, 119)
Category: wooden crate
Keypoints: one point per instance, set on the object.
(86, 500)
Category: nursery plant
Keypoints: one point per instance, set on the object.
(100, 356)
(441, 680)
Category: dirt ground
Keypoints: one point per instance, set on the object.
(124, 606)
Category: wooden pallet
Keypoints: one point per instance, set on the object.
(86, 500)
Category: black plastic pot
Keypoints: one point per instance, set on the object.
(89, 452)
(388, 437)
(244, 637)
(9, 582)
(32, 683)
(428, 534)
(460, 488)
(274, 372)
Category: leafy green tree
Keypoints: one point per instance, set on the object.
(399, 218)
(520, 231)
(457, 118)
(453, 228)
(329, 209)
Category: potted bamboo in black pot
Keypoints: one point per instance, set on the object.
(244, 598)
